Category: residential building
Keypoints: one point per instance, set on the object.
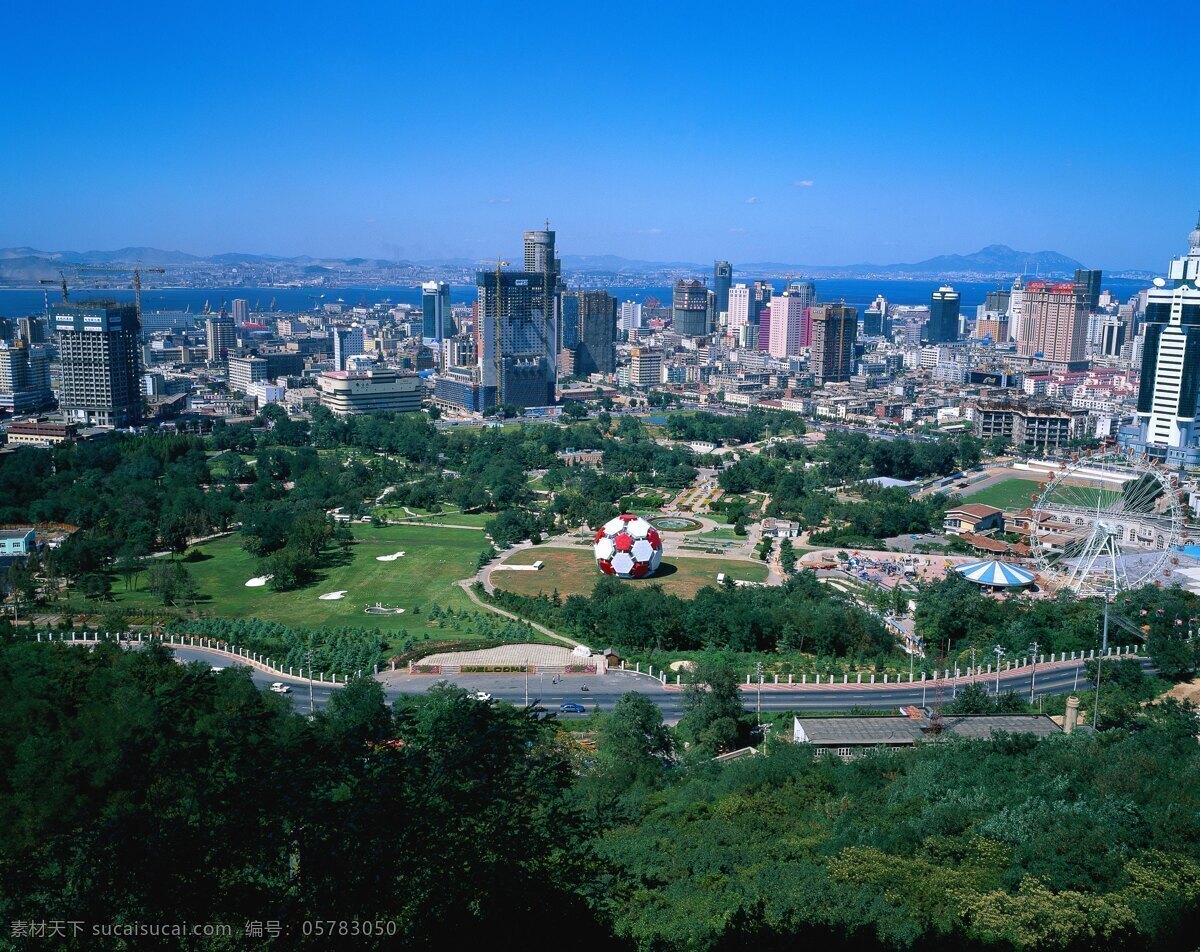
(834, 332)
(382, 390)
(24, 378)
(645, 368)
(241, 311)
(1029, 424)
(631, 316)
(15, 543)
(459, 388)
(221, 336)
(246, 371)
(738, 312)
(787, 318)
(1168, 404)
(101, 366)
(942, 326)
(1054, 322)
(437, 321)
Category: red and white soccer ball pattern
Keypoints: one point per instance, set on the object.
(628, 547)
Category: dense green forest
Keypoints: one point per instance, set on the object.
(133, 789)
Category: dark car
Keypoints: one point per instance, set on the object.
(570, 708)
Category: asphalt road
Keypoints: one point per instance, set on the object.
(602, 691)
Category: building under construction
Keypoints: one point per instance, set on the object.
(519, 328)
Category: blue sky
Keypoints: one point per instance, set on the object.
(814, 134)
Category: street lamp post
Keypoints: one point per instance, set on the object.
(311, 706)
(1033, 650)
(527, 682)
(758, 670)
(1099, 662)
(999, 652)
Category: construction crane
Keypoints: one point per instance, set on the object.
(137, 272)
(62, 282)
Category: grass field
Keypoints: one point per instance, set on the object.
(574, 572)
(434, 560)
(449, 517)
(1012, 495)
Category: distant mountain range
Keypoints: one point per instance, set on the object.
(19, 265)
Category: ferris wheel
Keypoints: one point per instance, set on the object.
(1107, 522)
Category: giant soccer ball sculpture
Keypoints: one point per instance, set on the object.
(628, 547)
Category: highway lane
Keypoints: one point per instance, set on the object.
(603, 691)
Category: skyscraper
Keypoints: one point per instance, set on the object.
(569, 305)
(1169, 390)
(834, 332)
(24, 378)
(348, 341)
(436, 320)
(596, 350)
(1054, 322)
(738, 312)
(101, 370)
(241, 311)
(722, 279)
(942, 326)
(690, 308)
(518, 329)
(875, 318)
(221, 336)
(1089, 282)
(631, 316)
(786, 335)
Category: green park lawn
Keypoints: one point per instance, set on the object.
(450, 516)
(435, 559)
(574, 572)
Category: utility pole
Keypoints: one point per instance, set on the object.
(758, 671)
(1099, 662)
(527, 682)
(999, 652)
(311, 707)
(1033, 650)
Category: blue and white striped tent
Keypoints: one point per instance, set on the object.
(998, 574)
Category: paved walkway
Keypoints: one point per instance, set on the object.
(541, 655)
(466, 585)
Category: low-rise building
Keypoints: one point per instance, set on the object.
(370, 391)
(16, 542)
(850, 737)
(41, 434)
(973, 518)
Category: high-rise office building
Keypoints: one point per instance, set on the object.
(437, 323)
(348, 341)
(241, 311)
(1054, 322)
(595, 348)
(645, 367)
(942, 326)
(722, 279)
(24, 378)
(1168, 407)
(1089, 283)
(875, 318)
(518, 331)
(1112, 337)
(1016, 310)
(221, 336)
(690, 308)
(101, 369)
(569, 306)
(834, 333)
(540, 255)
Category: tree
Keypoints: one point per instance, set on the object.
(787, 556)
(170, 581)
(634, 743)
(713, 710)
(94, 586)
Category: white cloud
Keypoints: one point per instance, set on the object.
(803, 183)
(648, 231)
(737, 231)
(752, 200)
(499, 201)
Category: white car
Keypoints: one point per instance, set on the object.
(280, 688)
(480, 696)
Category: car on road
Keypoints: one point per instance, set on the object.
(217, 668)
(480, 696)
(570, 708)
(280, 688)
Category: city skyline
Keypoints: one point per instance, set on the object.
(323, 142)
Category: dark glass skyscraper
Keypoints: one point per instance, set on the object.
(722, 281)
(596, 349)
(1089, 282)
(436, 323)
(690, 308)
(97, 344)
(943, 316)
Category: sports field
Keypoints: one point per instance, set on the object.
(1012, 495)
(433, 561)
(574, 572)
